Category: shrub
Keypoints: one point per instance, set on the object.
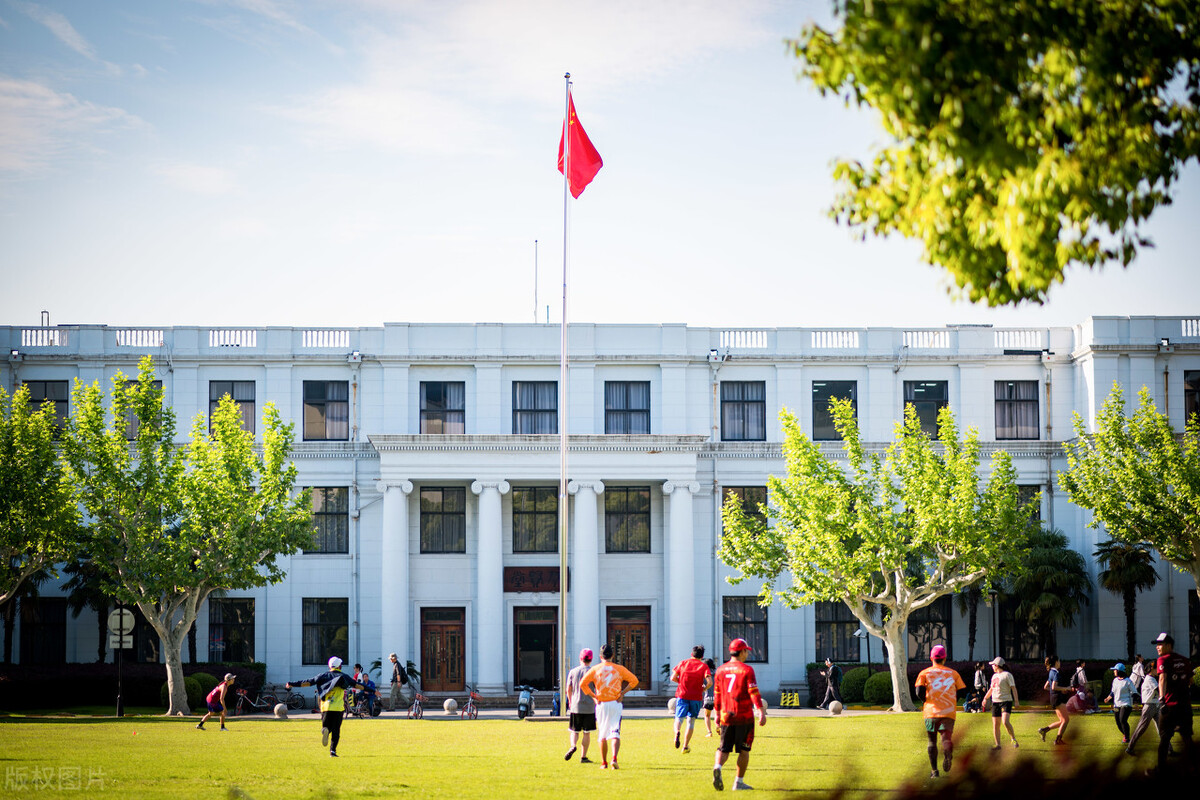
(195, 697)
(852, 684)
(877, 690)
(207, 682)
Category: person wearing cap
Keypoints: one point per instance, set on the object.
(331, 692)
(399, 681)
(1151, 709)
(581, 708)
(736, 700)
(938, 687)
(1174, 686)
(607, 683)
(1003, 693)
(216, 701)
(693, 678)
(1121, 696)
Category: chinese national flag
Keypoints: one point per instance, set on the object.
(585, 161)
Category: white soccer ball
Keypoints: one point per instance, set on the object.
(281, 710)
(450, 706)
(835, 708)
(671, 705)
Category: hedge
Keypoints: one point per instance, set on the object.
(26, 686)
(877, 691)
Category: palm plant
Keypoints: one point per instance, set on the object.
(1128, 569)
(1051, 586)
(84, 590)
(968, 603)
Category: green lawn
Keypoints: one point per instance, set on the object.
(156, 757)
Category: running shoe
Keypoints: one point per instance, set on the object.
(739, 784)
(946, 762)
(570, 753)
(333, 754)
(325, 737)
(718, 784)
(200, 727)
(687, 750)
(1042, 732)
(676, 740)
(615, 765)
(584, 760)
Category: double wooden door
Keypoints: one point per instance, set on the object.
(443, 643)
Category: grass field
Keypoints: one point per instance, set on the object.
(438, 757)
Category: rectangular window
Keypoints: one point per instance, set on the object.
(1024, 495)
(750, 497)
(443, 520)
(823, 393)
(627, 519)
(326, 411)
(1191, 395)
(131, 420)
(743, 411)
(242, 393)
(535, 519)
(325, 628)
(744, 618)
(231, 629)
(627, 407)
(535, 406)
(331, 517)
(43, 630)
(1019, 636)
(443, 407)
(929, 626)
(1017, 410)
(57, 393)
(834, 627)
(928, 398)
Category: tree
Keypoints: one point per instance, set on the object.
(1024, 135)
(1139, 479)
(1128, 569)
(968, 603)
(85, 589)
(39, 519)
(899, 531)
(170, 526)
(1051, 585)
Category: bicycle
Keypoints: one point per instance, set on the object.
(416, 710)
(363, 704)
(293, 699)
(264, 703)
(470, 710)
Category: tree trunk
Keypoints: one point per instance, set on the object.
(171, 633)
(898, 664)
(1130, 598)
(10, 618)
(972, 622)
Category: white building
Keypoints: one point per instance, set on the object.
(435, 475)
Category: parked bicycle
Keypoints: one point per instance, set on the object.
(363, 703)
(417, 710)
(264, 703)
(470, 710)
(292, 698)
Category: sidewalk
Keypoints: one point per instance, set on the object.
(543, 715)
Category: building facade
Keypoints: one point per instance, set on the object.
(432, 454)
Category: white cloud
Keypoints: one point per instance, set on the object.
(198, 178)
(65, 32)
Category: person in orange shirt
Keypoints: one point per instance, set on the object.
(938, 687)
(608, 682)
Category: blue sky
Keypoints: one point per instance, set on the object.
(260, 162)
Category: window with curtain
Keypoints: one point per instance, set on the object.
(443, 519)
(627, 519)
(834, 628)
(1191, 393)
(627, 407)
(131, 420)
(823, 393)
(443, 407)
(927, 398)
(1017, 410)
(231, 629)
(535, 406)
(535, 519)
(331, 518)
(242, 393)
(929, 626)
(744, 618)
(743, 411)
(325, 628)
(326, 411)
(57, 393)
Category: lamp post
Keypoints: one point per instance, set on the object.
(862, 634)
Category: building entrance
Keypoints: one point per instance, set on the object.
(535, 632)
(443, 634)
(629, 634)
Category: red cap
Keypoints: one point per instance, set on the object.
(738, 645)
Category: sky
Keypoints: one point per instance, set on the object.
(356, 162)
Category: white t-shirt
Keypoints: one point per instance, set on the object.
(1002, 687)
(1122, 692)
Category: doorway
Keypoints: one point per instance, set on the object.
(443, 662)
(629, 634)
(535, 634)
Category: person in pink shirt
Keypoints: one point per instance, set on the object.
(608, 682)
(693, 678)
(938, 687)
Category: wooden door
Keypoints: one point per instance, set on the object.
(629, 634)
(443, 638)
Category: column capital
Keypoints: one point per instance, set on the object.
(573, 487)
(403, 485)
(670, 487)
(501, 486)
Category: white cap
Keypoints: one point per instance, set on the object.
(335, 663)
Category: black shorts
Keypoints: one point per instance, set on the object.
(582, 722)
(215, 708)
(1002, 707)
(708, 704)
(1057, 699)
(739, 736)
(1177, 718)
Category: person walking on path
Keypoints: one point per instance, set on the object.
(216, 701)
(736, 700)
(331, 692)
(1151, 709)
(1003, 693)
(581, 708)
(608, 682)
(833, 683)
(399, 681)
(708, 697)
(1058, 701)
(1174, 685)
(1121, 696)
(938, 687)
(693, 678)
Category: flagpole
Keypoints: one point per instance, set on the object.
(564, 657)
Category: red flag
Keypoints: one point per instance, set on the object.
(585, 161)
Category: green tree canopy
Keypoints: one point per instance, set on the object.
(1024, 135)
(170, 526)
(898, 529)
(1139, 479)
(39, 518)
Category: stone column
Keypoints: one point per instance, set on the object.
(489, 599)
(585, 569)
(680, 561)
(393, 560)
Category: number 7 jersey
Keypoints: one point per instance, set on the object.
(735, 693)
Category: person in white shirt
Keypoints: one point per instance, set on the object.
(1003, 694)
(1121, 697)
(1151, 706)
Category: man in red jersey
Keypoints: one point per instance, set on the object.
(693, 678)
(1174, 684)
(735, 699)
(938, 686)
